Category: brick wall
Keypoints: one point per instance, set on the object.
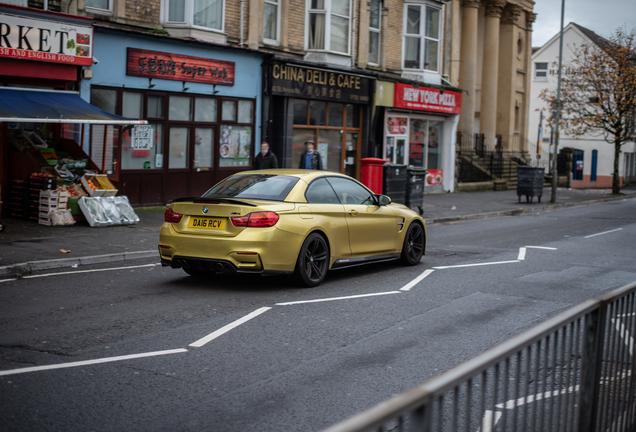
(146, 11)
(393, 48)
(296, 25)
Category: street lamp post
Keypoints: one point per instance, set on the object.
(555, 174)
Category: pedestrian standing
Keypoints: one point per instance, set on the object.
(265, 159)
(310, 158)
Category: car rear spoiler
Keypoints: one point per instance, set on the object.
(212, 200)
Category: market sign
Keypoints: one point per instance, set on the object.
(296, 81)
(427, 99)
(48, 41)
(154, 64)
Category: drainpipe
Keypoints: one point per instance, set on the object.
(353, 37)
(242, 14)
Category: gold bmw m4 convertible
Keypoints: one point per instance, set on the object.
(288, 221)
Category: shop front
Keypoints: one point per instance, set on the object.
(416, 126)
(329, 107)
(202, 104)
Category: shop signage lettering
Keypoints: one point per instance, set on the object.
(427, 99)
(153, 64)
(295, 81)
(48, 41)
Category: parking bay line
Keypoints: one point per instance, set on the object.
(417, 280)
(79, 271)
(228, 327)
(604, 232)
(337, 298)
(91, 362)
(476, 265)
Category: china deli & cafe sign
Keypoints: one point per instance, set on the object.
(427, 99)
(295, 81)
(155, 64)
(48, 41)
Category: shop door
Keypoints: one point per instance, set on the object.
(202, 174)
(177, 178)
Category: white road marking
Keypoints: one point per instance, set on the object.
(522, 254)
(337, 298)
(541, 247)
(476, 265)
(229, 327)
(624, 333)
(91, 362)
(488, 422)
(523, 400)
(80, 271)
(417, 280)
(604, 232)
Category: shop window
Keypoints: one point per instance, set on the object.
(329, 146)
(435, 140)
(271, 18)
(97, 6)
(245, 111)
(353, 116)
(207, 14)
(374, 31)
(421, 37)
(318, 113)
(142, 147)
(179, 147)
(104, 140)
(329, 22)
(180, 108)
(104, 99)
(541, 70)
(133, 105)
(229, 111)
(236, 146)
(155, 106)
(417, 143)
(300, 111)
(205, 110)
(336, 114)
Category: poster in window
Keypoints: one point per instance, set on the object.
(434, 177)
(235, 146)
(396, 125)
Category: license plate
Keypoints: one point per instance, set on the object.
(207, 223)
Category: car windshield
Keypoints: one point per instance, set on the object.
(255, 186)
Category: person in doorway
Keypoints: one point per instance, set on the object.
(265, 159)
(310, 158)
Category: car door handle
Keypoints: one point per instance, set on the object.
(353, 212)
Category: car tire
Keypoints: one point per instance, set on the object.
(198, 273)
(313, 260)
(413, 247)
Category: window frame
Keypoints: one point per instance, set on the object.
(96, 10)
(188, 14)
(328, 14)
(422, 36)
(376, 30)
(537, 70)
(268, 41)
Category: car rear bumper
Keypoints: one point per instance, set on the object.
(213, 265)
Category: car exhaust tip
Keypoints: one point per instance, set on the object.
(220, 267)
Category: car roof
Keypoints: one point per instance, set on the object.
(306, 175)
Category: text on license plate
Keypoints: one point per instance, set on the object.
(207, 223)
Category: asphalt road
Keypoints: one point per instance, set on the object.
(163, 351)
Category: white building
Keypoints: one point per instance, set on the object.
(593, 157)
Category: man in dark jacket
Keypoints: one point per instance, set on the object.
(265, 159)
(310, 159)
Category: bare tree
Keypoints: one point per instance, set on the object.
(598, 93)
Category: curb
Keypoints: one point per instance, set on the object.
(27, 268)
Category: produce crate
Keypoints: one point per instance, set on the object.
(73, 206)
(98, 185)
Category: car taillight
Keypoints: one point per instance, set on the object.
(256, 220)
(171, 217)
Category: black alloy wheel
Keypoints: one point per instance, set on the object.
(313, 260)
(413, 248)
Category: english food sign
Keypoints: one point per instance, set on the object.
(48, 41)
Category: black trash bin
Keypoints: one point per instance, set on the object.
(415, 187)
(394, 182)
(530, 182)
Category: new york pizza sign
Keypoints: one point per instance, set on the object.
(48, 41)
(427, 99)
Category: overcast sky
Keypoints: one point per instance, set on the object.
(603, 17)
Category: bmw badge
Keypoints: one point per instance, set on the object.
(205, 209)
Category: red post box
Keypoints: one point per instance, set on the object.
(371, 172)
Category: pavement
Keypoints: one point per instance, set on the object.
(27, 247)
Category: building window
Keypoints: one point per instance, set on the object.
(271, 18)
(329, 22)
(207, 14)
(421, 37)
(99, 5)
(374, 32)
(541, 70)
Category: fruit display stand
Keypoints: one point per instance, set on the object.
(98, 185)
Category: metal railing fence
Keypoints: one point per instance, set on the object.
(574, 372)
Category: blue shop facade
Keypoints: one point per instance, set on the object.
(202, 102)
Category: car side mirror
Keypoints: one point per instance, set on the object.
(383, 200)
